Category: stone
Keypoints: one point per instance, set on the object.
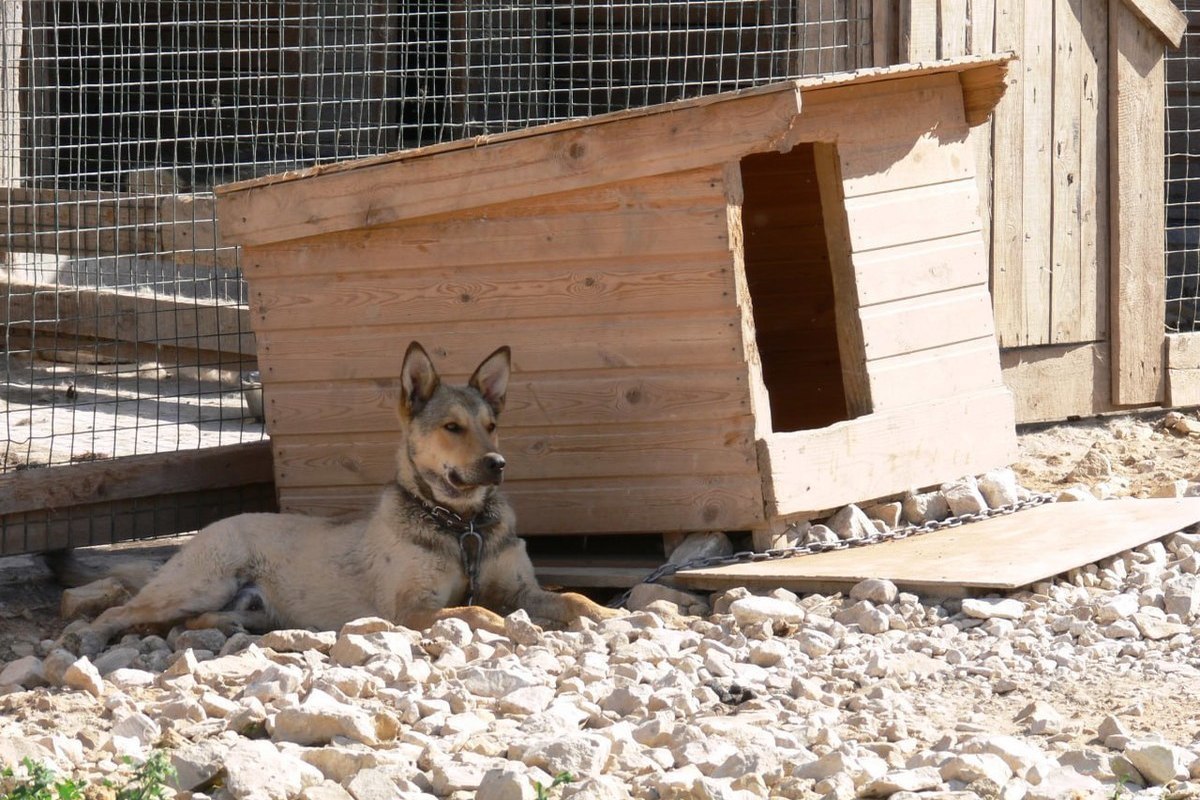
(506, 783)
(92, 598)
(993, 608)
(297, 641)
(887, 513)
(921, 779)
(1064, 782)
(701, 545)
(371, 783)
(644, 595)
(920, 508)
(320, 718)
(1041, 719)
(256, 770)
(117, 658)
(754, 609)
(209, 639)
(971, 767)
(1159, 762)
(197, 763)
(27, 673)
(875, 590)
(526, 701)
(1176, 488)
(325, 791)
(963, 497)
(1074, 494)
(1094, 466)
(820, 534)
(137, 726)
(82, 675)
(356, 649)
(576, 753)
(1117, 607)
(999, 488)
(55, 665)
(1181, 597)
(496, 683)
(865, 616)
(851, 523)
(1154, 627)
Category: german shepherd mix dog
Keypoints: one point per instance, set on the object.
(440, 543)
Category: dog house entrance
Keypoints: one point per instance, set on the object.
(790, 273)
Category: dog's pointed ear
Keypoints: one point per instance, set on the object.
(418, 380)
(491, 378)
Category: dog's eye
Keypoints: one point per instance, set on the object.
(491, 427)
(453, 427)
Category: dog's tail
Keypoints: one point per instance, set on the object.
(71, 569)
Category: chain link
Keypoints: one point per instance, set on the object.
(778, 553)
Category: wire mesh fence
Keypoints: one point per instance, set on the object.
(125, 325)
(1183, 177)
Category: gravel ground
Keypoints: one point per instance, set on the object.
(1080, 687)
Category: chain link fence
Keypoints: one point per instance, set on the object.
(1183, 177)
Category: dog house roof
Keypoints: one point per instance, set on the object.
(561, 156)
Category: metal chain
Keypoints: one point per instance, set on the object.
(470, 562)
(779, 553)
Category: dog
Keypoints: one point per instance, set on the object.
(440, 542)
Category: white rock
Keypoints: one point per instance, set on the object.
(355, 649)
(1159, 762)
(927, 507)
(972, 767)
(876, 590)
(701, 545)
(1154, 627)
(577, 753)
(851, 523)
(197, 763)
(27, 673)
(751, 610)
(297, 641)
(496, 683)
(963, 497)
(506, 783)
(993, 608)
(320, 718)
(999, 488)
(256, 770)
(82, 675)
(1181, 596)
(865, 616)
(921, 779)
(92, 598)
(1117, 607)
(1064, 782)
(137, 726)
(1041, 718)
(371, 783)
(526, 700)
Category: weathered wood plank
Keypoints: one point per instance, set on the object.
(995, 554)
(126, 317)
(921, 268)
(135, 476)
(887, 452)
(952, 28)
(918, 30)
(644, 145)
(945, 371)
(626, 398)
(885, 32)
(1069, 280)
(1093, 171)
(1183, 369)
(122, 520)
(1010, 289)
(906, 216)
(919, 323)
(708, 447)
(982, 39)
(418, 297)
(633, 505)
(1059, 382)
(682, 339)
(1163, 16)
(1137, 118)
(1037, 61)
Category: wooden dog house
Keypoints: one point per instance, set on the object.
(724, 312)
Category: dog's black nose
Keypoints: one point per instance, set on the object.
(494, 463)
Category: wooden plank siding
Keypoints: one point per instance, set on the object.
(640, 273)
(667, 314)
(1071, 168)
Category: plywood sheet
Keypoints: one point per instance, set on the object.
(1001, 553)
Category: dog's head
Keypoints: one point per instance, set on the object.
(451, 452)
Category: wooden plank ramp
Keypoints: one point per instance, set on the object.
(999, 554)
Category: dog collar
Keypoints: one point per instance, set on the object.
(470, 540)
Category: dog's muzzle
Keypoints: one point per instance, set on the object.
(493, 466)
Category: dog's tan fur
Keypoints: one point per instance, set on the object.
(399, 563)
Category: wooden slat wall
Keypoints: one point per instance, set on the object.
(629, 385)
(907, 193)
(1075, 148)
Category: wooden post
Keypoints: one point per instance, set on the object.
(1136, 120)
(10, 92)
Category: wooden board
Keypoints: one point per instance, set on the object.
(1059, 381)
(1139, 292)
(999, 554)
(1183, 369)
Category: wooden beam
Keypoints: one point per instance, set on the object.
(918, 30)
(885, 32)
(1183, 369)
(135, 476)
(885, 452)
(1057, 382)
(1137, 119)
(1163, 18)
(122, 520)
(122, 316)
